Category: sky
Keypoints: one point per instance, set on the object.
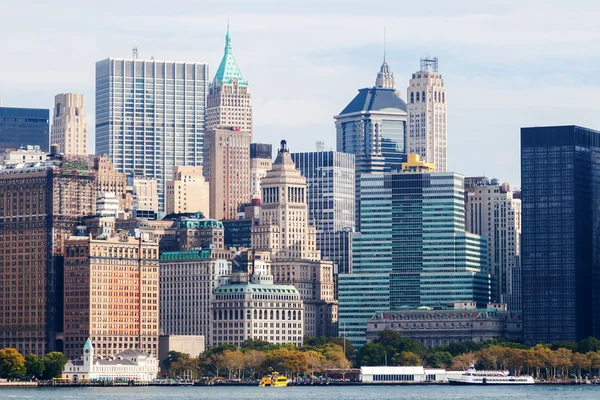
(506, 64)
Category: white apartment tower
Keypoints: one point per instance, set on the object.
(69, 127)
(427, 122)
(228, 101)
(150, 116)
(493, 211)
(188, 192)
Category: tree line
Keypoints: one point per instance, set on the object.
(256, 358)
(556, 361)
(14, 366)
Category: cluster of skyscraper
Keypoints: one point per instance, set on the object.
(214, 238)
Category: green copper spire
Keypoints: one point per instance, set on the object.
(228, 70)
(88, 345)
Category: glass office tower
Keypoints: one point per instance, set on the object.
(412, 249)
(330, 183)
(24, 126)
(560, 172)
(150, 116)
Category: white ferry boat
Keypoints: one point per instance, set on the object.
(474, 377)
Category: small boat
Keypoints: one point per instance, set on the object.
(273, 380)
(474, 377)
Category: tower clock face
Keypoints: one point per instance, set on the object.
(87, 350)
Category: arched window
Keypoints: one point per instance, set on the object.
(300, 315)
(255, 314)
(289, 314)
(412, 97)
(294, 314)
(215, 315)
(260, 316)
(220, 314)
(277, 314)
(423, 96)
(282, 314)
(443, 97)
(435, 96)
(231, 314)
(418, 97)
(271, 315)
(236, 315)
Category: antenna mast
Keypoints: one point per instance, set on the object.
(135, 53)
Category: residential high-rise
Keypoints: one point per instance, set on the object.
(560, 194)
(261, 159)
(24, 126)
(150, 116)
(228, 101)
(412, 249)
(188, 192)
(285, 233)
(187, 281)
(111, 294)
(330, 197)
(40, 205)
(227, 169)
(426, 106)
(69, 126)
(493, 212)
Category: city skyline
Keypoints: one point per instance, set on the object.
(485, 53)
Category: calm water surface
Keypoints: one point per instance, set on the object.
(537, 392)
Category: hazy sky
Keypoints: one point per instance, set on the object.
(505, 64)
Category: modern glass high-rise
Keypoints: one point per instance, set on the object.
(412, 249)
(24, 126)
(330, 183)
(150, 116)
(560, 183)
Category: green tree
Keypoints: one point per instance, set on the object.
(439, 359)
(173, 357)
(372, 353)
(258, 345)
(587, 345)
(458, 348)
(408, 358)
(34, 366)
(54, 363)
(564, 345)
(12, 363)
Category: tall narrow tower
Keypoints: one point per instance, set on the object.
(69, 126)
(228, 101)
(426, 107)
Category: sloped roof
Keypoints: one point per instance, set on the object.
(228, 70)
(375, 99)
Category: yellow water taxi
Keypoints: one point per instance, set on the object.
(274, 380)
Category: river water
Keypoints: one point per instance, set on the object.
(537, 392)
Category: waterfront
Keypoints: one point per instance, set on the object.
(538, 392)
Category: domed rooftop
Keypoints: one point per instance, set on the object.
(375, 99)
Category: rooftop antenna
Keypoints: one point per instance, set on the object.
(135, 53)
(384, 43)
(428, 62)
(320, 146)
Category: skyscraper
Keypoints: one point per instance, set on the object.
(560, 172)
(261, 159)
(285, 233)
(412, 249)
(40, 205)
(69, 126)
(330, 186)
(24, 126)
(373, 128)
(426, 105)
(150, 116)
(228, 101)
(227, 169)
(493, 212)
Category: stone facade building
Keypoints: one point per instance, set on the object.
(69, 126)
(111, 294)
(441, 326)
(187, 281)
(188, 191)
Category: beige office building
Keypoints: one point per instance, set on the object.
(285, 233)
(145, 194)
(188, 192)
(228, 100)
(427, 121)
(69, 127)
(227, 169)
(110, 294)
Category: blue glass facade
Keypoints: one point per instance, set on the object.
(560, 172)
(413, 243)
(24, 126)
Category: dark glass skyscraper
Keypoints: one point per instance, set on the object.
(560, 170)
(24, 126)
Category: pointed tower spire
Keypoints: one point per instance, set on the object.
(228, 70)
(385, 77)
